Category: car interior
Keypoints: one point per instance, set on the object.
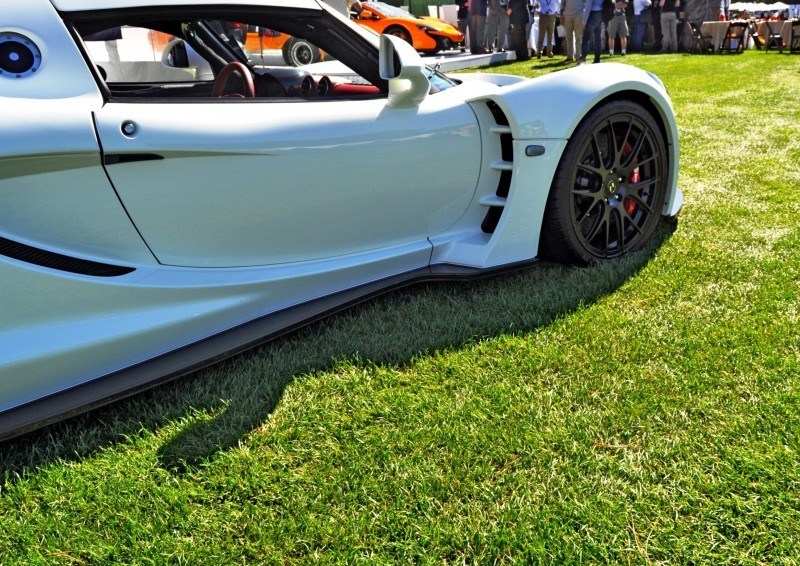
(249, 55)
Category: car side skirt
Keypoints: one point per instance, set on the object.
(162, 369)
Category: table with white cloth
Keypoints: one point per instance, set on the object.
(782, 27)
(717, 30)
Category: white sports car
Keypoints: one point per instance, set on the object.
(168, 197)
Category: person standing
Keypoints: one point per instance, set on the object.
(477, 26)
(572, 18)
(497, 25)
(618, 26)
(641, 19)
(669, 25)
(518, 16)
(463, 19)
(592, 22)
(547, 26)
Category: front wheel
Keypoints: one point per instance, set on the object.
(400, 32)
(609, 189)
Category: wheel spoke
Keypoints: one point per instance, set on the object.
(598, 151)
(593, 231)
(590, 169)
(646, 161)
(632, 223)
(635, 149)
(608, 236)
(591, 207)
(624, 139)
(639, 199)
(619, 222)
(612, 145)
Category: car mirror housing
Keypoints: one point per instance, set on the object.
(365, 15)
(402, 66)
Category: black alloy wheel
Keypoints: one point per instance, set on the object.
(610, 186)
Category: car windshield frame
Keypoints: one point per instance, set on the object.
(388, 10)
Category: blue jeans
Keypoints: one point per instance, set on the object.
(593, 28)
(638, 33)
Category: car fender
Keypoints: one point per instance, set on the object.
(542, 115)
(551, 107)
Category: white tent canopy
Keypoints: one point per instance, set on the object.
(758, 6)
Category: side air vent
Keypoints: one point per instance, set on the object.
(497, 202)
(29, 254)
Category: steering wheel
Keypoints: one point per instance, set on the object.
(222, 80)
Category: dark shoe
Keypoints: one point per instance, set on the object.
(539, 55)
(595, 61)
(549, 53)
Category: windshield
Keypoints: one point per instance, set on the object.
(387, 10)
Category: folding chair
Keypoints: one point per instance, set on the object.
(700, 43)
(757, 39)
(733, 42)
(774, 39)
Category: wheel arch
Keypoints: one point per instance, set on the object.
(563, 100)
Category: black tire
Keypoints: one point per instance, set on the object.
(606, 198)
(401, 32)
(299, 52)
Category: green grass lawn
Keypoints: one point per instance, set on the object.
(643, 412)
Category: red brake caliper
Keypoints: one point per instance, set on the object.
(629, 203)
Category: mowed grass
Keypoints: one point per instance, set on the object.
(643, 412)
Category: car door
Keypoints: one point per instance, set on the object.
(225, 183)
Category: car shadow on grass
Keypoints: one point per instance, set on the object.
(209, 411)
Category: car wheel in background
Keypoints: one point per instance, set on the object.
(400, 32)
(608, 191)
(299, 52)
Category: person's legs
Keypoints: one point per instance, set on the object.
(519, 42)
(569, 30)
(502, 29)
(638, 33)
(477, 24)
(669, 32)
(592, 32)
(576, 25)
(597, 29)
(491, 31)
(673, 32)
(463, 26)
(611, 31)
(664, 33)
(540, 36)
(550, 28)
(623, 34)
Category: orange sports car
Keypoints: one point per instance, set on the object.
(429, 35)
(260, 42)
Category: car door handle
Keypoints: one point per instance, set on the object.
(115, 158)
